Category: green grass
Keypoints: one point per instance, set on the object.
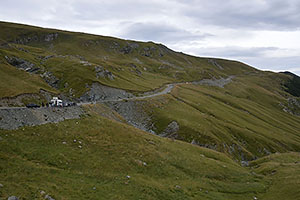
(14, 82)
(46, 158)
(243, 121)
(160, 67)
(246, 113)
(36, 159)
(283, 171)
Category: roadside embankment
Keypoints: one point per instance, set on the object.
(18, 117)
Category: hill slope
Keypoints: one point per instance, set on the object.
(99, 158)
(236, 128)
(76, 59)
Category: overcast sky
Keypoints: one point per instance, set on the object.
(262, 33)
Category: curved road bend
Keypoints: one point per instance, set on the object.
(167, 90)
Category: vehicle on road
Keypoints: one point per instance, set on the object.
(56, 102)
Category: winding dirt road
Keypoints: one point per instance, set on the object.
(167, 89)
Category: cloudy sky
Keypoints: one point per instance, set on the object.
(262, 33)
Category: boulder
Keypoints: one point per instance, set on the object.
(52, 80)
(48, 197)
(50, 37)
(13, 198)
(171, 130)
(129, 48)
(103, 73)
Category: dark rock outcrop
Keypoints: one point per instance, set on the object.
(135, 69)
(52, 80)
(148, 51)
(103, 73)
(22, 64)
(292, 106)
(129, 48)
(25, 39)
(292, 85)
(215, 63)
(171, 130)
(50, 37)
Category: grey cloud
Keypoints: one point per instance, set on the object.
(275, 14)
(115, 9)
(161, 33)
(276, 63)
(254, 14)
(255, 56)
(235, 52)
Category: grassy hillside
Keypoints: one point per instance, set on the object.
(244, 119)
(98, 158)
(283, 171)
(92, 157)
(245, 134)
(14, 81)
(136, 66)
